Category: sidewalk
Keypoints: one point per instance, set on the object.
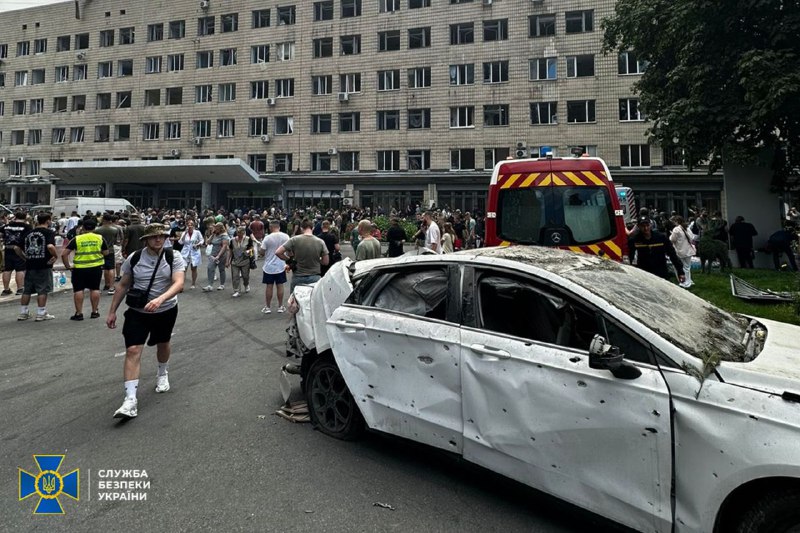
(56, 289)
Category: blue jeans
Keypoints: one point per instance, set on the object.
(302, 280)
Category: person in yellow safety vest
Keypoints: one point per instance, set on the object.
(90, 251)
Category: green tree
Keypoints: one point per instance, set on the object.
(723, 78)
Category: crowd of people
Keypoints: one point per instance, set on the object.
(228, 242)
(657, 237)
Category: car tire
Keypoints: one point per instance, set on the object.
(332, 408)
(776, 512)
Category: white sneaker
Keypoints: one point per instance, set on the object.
(162, 383)
(46, 316)
(23, 316)
(266, 310)
(128, 409)
(281, 309)
(247, 288)
(235, 294)
(208, 288)
(221, 288)
(192, 287)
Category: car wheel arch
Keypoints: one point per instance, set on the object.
(745, 496)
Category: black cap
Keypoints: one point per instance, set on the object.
(89, 224)
(643, 220)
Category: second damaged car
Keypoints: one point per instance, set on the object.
(581, 377)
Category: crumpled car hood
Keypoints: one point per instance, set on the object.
(777, 368)
(315, 308)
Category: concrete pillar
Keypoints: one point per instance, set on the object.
(109, 187)
(13, 199)
(155, 196)
(430, 194)
(205, 195)
(53, 194)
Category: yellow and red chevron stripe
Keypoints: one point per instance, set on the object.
(608, 249)
(545, 179)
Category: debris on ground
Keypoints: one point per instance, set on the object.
(384, 505)
(294, 412)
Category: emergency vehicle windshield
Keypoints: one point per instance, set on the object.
(585, 212)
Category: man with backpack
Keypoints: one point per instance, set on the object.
(151, 280)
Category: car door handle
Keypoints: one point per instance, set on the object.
(343, 324)
(488, 350)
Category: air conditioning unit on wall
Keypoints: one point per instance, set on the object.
(270, 101)
(21, 159)
(347, 201)
(175, 153)
(332, 151)
(265, 138)
(205, 4)
(197, 141)
(344, 97)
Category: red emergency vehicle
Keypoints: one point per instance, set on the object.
(564, 202)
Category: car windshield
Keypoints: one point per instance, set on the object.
(689, 322)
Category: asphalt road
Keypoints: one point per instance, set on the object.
(216, 456)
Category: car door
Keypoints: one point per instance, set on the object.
(398, 350)
(535, 411)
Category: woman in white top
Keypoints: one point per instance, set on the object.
(191, 240)
(682, 238)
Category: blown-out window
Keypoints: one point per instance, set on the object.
(422, 293)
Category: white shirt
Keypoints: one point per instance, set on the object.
(272, 263)
(433, 236)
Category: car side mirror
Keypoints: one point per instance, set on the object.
(604, 356)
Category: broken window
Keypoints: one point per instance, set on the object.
(421, 293)
(514, 307)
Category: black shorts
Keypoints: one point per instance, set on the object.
(108, 262)
(13, 262)
(86, 278)
(139, 325)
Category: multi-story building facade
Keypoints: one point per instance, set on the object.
(370, 102)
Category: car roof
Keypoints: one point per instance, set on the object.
(553, 260)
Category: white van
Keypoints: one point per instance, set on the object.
(81, 204)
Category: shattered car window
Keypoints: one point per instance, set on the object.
(517, 308)
(420, 293)
(691, 323)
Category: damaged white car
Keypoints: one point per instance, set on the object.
(587, 379)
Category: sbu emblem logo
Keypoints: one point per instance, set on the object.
(49, 484)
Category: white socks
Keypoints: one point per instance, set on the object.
(23, 309)
(163, 369)
(130, 388)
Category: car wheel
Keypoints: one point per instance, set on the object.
(332, 408)
(776, 512)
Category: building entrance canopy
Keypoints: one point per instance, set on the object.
(160, 171)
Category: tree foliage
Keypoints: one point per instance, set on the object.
(723, 77)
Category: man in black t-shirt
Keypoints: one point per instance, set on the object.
(39, 245)
(14, 256)
(332, 244)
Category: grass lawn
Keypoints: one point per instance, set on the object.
(716, 288)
